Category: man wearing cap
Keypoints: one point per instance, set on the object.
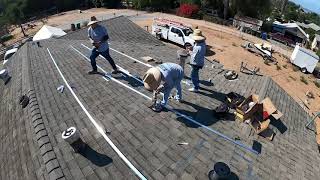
(98, 36)
(171, 74)
(197, 53)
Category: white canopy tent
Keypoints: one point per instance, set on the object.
(47, 32)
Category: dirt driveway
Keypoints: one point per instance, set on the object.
(225, 46)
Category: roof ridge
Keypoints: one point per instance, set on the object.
(77, 30)
(49, 156)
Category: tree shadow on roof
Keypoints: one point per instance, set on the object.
(202, 115)
(96, 158)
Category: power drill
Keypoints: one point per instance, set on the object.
(155, 105)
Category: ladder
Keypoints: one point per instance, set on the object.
(164, 22)
(312, 120)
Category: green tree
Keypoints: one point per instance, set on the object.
(140, 4)
(198, 2)
(14, 13)
(66, 4)
(110, 3)
(252, 8)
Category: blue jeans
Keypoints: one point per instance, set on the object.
(167, 91)
(195, 76)
(95, 53)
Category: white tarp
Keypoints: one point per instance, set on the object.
(47, 32)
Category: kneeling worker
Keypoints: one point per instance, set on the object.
(171, 74)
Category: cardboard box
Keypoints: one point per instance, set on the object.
(258, 126)
(317, 124)
(244, 111)
(271, 109)
(268, 134)
(318, 139)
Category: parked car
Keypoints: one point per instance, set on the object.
(8, 54)
(282, 38)
(172, 31)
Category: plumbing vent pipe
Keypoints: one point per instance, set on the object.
(182, 55)
(4, 75)
(24, 101)
(72, 136)
(220, 171)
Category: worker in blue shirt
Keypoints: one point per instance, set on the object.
(171, 74)
(197, 53)
(98, 36)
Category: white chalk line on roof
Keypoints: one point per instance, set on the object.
(180, 114)
(132, 58)
(148, 65)
(120, 68)
(96, 125)
(110, 77)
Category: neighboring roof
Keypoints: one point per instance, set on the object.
(47, 32)
(293, 25)
(30, 138)
(306, 26)
(309, 26)
(125, 31)
(248, 20)
(314, 27)
(317, 37)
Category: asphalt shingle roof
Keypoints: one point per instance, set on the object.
(32, 147)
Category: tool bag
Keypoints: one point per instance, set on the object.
(234, 99)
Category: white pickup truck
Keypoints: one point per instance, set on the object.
(172, 31)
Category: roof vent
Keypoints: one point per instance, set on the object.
(182, 55)
(72, 136)
(221, 171)
(4, 75)
(24, 101)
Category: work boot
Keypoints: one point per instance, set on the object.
(93, 72)
(193, 90)
(115, 71)
(157, 107)
(179, 100)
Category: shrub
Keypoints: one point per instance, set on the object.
(188, 10)
(292, 78)
(317, 84)
(318, 52)
(140, 4)
(278, 67)
(304, 80)
(295, 68)
(285, 66)
(6, 37)
(267, 62)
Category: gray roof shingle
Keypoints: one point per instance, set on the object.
(149, 140)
